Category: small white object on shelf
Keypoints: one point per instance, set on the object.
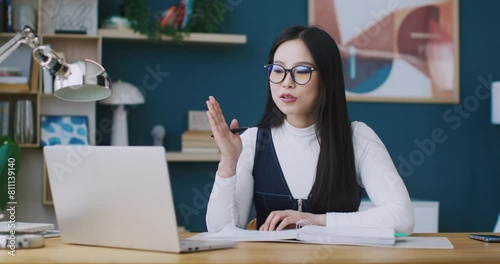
(123, 94)
(158, 134)
(495, 103)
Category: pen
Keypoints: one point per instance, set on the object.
(237, 130)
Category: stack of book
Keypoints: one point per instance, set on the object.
(198, 141)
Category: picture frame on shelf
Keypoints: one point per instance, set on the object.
(64, 130)
(69, 17)
(394, 51)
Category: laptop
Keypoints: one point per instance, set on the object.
(117, 196)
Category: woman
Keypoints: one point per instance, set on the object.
(305, 160)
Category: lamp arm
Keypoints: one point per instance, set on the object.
(44, 55)
(26, 36)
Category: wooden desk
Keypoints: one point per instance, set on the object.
(466, 251)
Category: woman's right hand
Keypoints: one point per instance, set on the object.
(229, 144)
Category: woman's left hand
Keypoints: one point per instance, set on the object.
(279, 220)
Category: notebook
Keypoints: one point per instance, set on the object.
(116, 196)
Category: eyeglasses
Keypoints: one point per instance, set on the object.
(300, 74)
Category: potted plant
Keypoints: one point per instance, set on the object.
(9, 167)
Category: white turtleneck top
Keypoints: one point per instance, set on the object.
(297, 150)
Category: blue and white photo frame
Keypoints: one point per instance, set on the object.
(64, 130)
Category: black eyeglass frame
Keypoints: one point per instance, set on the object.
(291, 72)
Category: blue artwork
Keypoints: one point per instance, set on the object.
(64, 130)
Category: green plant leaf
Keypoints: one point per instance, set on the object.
(10, 154)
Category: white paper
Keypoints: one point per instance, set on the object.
(497, 226)
(237, 234)
(291, 235)
(424, 242)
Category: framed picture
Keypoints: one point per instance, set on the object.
(64, 130)
(394, 50)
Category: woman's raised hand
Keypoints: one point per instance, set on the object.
(229, 144)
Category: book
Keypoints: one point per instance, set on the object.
(200, 150)
(14, 79)
(204, 135)
(8, 16)
(187, 13)
(2, 15)
(181, 14)
(5, 117)
(194, 141)
(363, 236)
(167, 16)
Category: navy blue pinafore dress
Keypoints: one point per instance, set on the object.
(271, 191)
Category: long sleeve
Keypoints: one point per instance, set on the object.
(231, 198)
(385, 188)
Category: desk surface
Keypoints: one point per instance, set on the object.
(466, 251)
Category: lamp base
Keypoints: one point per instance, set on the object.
(119, 133)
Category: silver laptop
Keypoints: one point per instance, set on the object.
(116, 197)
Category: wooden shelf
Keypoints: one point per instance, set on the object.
(67, 36)
(32, 145)
(188, 157)
(201, 38)
(8, 35)
(16, 92)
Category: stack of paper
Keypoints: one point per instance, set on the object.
(380, 237)
(347, 235)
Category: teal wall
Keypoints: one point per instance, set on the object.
(461, 171)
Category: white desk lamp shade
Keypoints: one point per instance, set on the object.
(495, 103)
(87, 82)
(123, 93)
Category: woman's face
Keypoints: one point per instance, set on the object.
(296, 101)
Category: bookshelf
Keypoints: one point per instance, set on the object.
(71, 46)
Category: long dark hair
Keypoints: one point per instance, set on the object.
(335, 188)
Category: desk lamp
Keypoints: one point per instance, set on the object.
(124, 93)
(80, 81)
